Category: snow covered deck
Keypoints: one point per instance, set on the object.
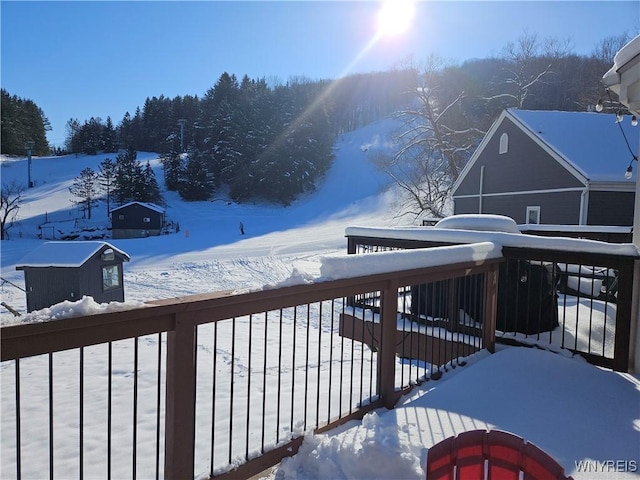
(585, 417)
(228, 384)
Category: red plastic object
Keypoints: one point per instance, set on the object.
(490, 455)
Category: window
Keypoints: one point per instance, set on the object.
(146, 220)
(108, 255)
(504, 143)
(533, 215)
(110, 277)
(120, 217)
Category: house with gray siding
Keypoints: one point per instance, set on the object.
(551, 167)
(59, 271)
(137, 220)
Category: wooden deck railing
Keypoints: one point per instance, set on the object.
(211, 385)
(591, 293)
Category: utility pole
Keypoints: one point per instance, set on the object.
(182, 122)
(29, 146)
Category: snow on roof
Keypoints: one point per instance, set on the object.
(506, 239)
(64, 254)
(627, 53)
(150, 206)
(591, 142)
(624, 76)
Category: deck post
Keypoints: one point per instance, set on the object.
(180, 400)
(624, 309)
(490, 308)
(387, 352)
(634, 334)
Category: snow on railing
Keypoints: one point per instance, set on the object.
(226, 382)
(561, 293)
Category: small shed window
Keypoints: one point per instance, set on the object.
(504, 143)
(533, 215)
(110, 277)
(120, 217)
(108, 255)
(146, 220)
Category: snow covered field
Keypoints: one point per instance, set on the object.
(575, 411)
(209, 253)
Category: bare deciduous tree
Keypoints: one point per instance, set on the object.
(10, 202)
(607, 48)
(442, 126)
(435, 142)
(523, 69)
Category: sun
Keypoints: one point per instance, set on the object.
(395, 17)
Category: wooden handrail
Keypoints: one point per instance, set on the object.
(180, 317)
(23, 340)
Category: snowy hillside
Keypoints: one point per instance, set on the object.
(208, 253)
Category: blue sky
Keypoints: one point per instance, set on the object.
(84, 58)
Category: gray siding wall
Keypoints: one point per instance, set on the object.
(466, 205)
(525, 166)
(561, 208)
(611, 208)
(51, 285)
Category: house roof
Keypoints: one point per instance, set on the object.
(65, 254)
(624, 76)
(589, 145)
(150, 206)
(592, 143)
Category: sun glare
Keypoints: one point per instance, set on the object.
(395, 17)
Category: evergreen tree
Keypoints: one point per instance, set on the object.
(22, 121)
(91, 136)
(87, 188)
(133, 182)
(197, 182)
(150, 190)
(173, 170)
(128, 178)
(125, 132)
(72, 141)
(221, 133)
(137, 130)
(106, 178)
(109, 137)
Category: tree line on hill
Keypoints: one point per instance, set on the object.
(24, 125)
(255, 140)
(274, 142)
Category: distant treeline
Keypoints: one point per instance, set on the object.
(275, 141)
(23, 124)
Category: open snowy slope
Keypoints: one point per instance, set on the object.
(209, 253)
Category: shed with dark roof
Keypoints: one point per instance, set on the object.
(137, 220)
(59, 271)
